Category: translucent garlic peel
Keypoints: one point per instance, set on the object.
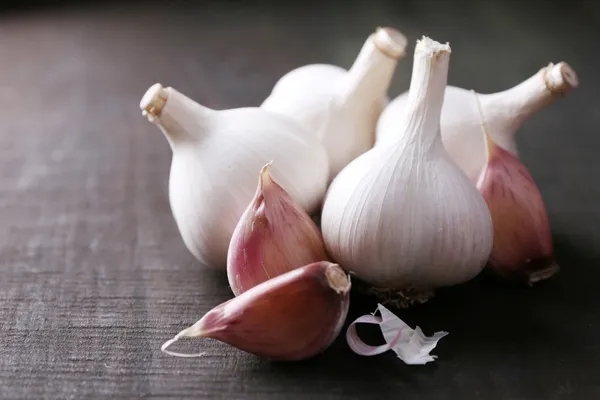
(404, 215)
(342, 107)
(294, 316)
(410, 345)
(522, 236)
(273, 236)
(216, 156)
(505, 111)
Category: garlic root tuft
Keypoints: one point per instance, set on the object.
(399, 298)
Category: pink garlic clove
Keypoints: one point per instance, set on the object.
(273, 236)
(294, 316)
(522, 248)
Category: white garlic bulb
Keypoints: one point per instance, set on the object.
(403, 215)
(216, 158)
(338, 106)
(505, 112)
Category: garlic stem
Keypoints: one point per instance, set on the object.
(369, 77)
(508, 110)
(153, 101)
(156, 107)
(426, 95)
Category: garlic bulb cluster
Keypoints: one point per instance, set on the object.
(441, 195)
(216, 156)
(274, 236)
(506, 111)
(403, 215)
(338, 106)
(293, 316)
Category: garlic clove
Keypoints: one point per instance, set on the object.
(294, 316)
(522, 247)
(273, 236)
(410, 345)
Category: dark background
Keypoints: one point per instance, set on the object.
(94, 274)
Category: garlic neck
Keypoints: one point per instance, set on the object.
(506, 111)
(180, 118)
(426, 94)
(369, 78)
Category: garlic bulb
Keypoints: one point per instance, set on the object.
(523, 248)
(274, 236)
(404, 216)
(294, 316)
(216, 156)
(342, 107)
(505, 112)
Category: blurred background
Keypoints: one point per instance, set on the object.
(95, 276)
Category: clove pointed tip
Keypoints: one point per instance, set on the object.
(390, 41)
(542, 274)
(153, 101)
(337, 278)
(265, 174)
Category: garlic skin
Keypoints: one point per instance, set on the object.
(505, 113)
(338, 106)
(410, 345)
(274, 236)
(523, 247)
(404, 216)
(216, 156)
(294, 316)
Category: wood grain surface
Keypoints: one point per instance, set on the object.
(95, 276)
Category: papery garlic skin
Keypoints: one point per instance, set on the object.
(342, 107)
(506, 111)
(522, 247)
(294, 316)
(404, 215)
(216, 156)
(273, 236)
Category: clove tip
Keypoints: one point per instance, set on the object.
(337, 278)
(390, 41)
(153, 101)
(265, 174)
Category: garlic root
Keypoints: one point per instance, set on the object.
(399, 298)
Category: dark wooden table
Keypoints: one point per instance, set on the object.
(94, 276)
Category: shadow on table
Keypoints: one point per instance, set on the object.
(488, 320)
